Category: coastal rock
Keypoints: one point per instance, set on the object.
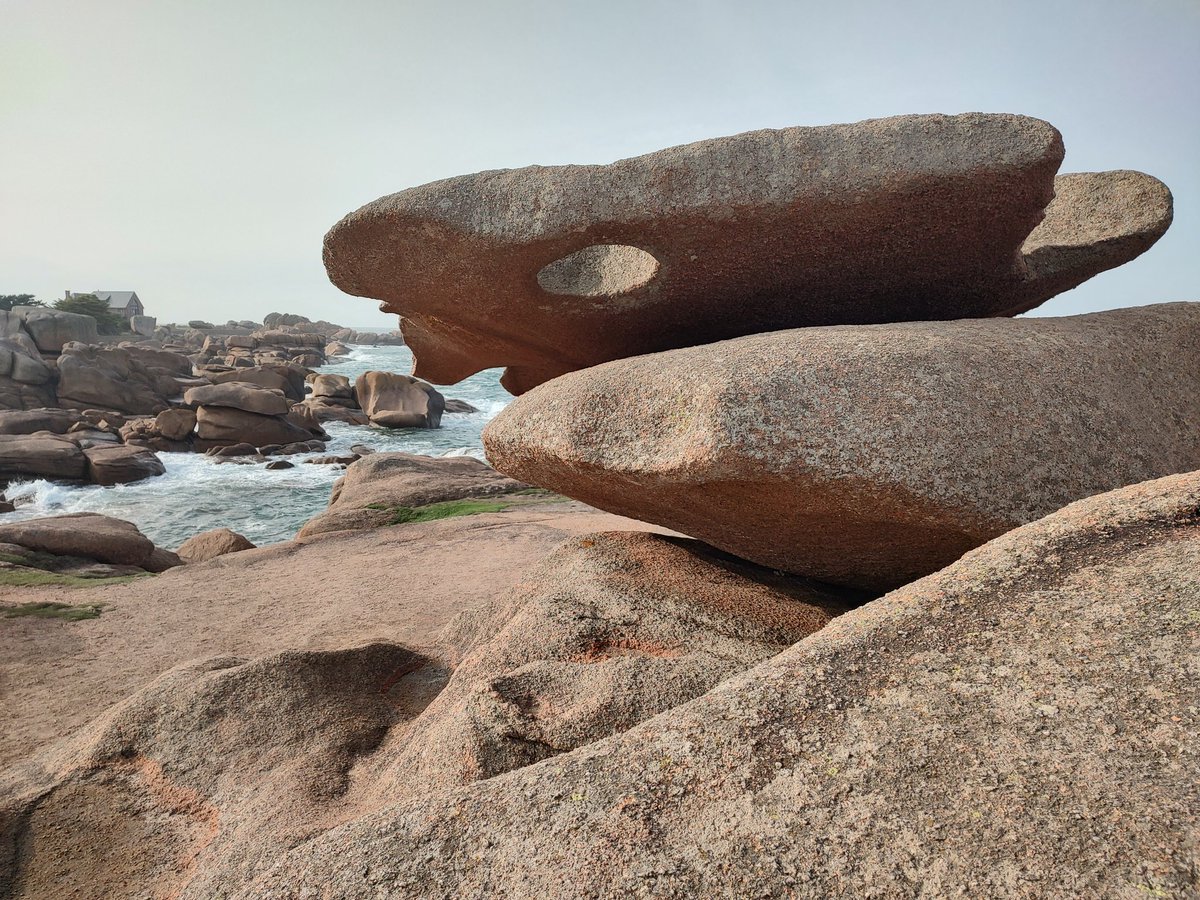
(55, 421)
(42, 455)
(286, 378)
(336, 348)
(326, 387)
(21, 365)
(110, 379)
(224, 424)
(159, 360)
(301, 415)
(51, 328)
(82, 534)
(175, 424)
(376, 485)
(324, 412)
(963, 736)
(459, 406)
(246, 397)
(121, 464)
(398, 401)
(612, 629)
(211, 544)
(870, 455)
(907, 218)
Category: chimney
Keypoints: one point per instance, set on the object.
(66, 295)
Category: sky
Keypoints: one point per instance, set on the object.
(197, 151)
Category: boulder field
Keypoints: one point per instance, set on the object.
(569, 266)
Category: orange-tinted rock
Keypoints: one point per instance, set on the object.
(869, 455)
(550, 269)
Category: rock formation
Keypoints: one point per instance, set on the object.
(379, 484)
(398, 401)
(211, 544)
(952, 738)
(869, 455)
(908, 218)
(90, 536)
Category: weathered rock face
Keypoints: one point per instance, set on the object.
(111, 379)
(398, 401)
(246, 397)
(286, 378)
(332, 387)
(221, 424)
(51, 328)
(175, 424)
(368, 495)
(871, 455)
(56, 421)
(88, 535)
(121, 464)
(908, 218)
(609, 631)
(42, 455)
(211, 544)
(952, 738)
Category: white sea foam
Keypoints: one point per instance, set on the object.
(198, 493)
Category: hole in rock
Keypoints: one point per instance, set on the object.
(602, 270)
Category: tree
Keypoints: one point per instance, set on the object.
(107, 321)
(8, 301)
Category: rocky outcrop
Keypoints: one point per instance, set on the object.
(120, 464)
(52, 328)
(869, 455)
(225, 425)
(952, 738)
(246, 397)
(41, 455)
(398, 401)
(111, 379)
(91, 536)
(286, 378)
(379, 484)
(611, 630)
(908, 218)
(55, 421)
(211, 544)
(176, 424)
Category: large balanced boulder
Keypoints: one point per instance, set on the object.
(377, 485)
(91, 536)
(907, 218)
(248, 397)
(1021, 724)
(122, 464)
(286, 378)
(43, 455)
(398, 401)
(223, 424)
(211, 544)
(869, 455)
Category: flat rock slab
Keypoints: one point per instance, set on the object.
(869, 455)
(550, 269)
(249, 398)
(44, 455)
(1022, 724)
(122, 464)
(379, 483)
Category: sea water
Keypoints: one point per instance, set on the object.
(198, 493)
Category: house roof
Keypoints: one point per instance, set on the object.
(116, 299)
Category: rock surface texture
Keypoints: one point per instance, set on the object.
(949, 739)
(869, 455)
(569, 266)
(379, 484)
(91, 536)
(211, 544)
(398, 401)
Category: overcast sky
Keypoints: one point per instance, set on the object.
(197, 151)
